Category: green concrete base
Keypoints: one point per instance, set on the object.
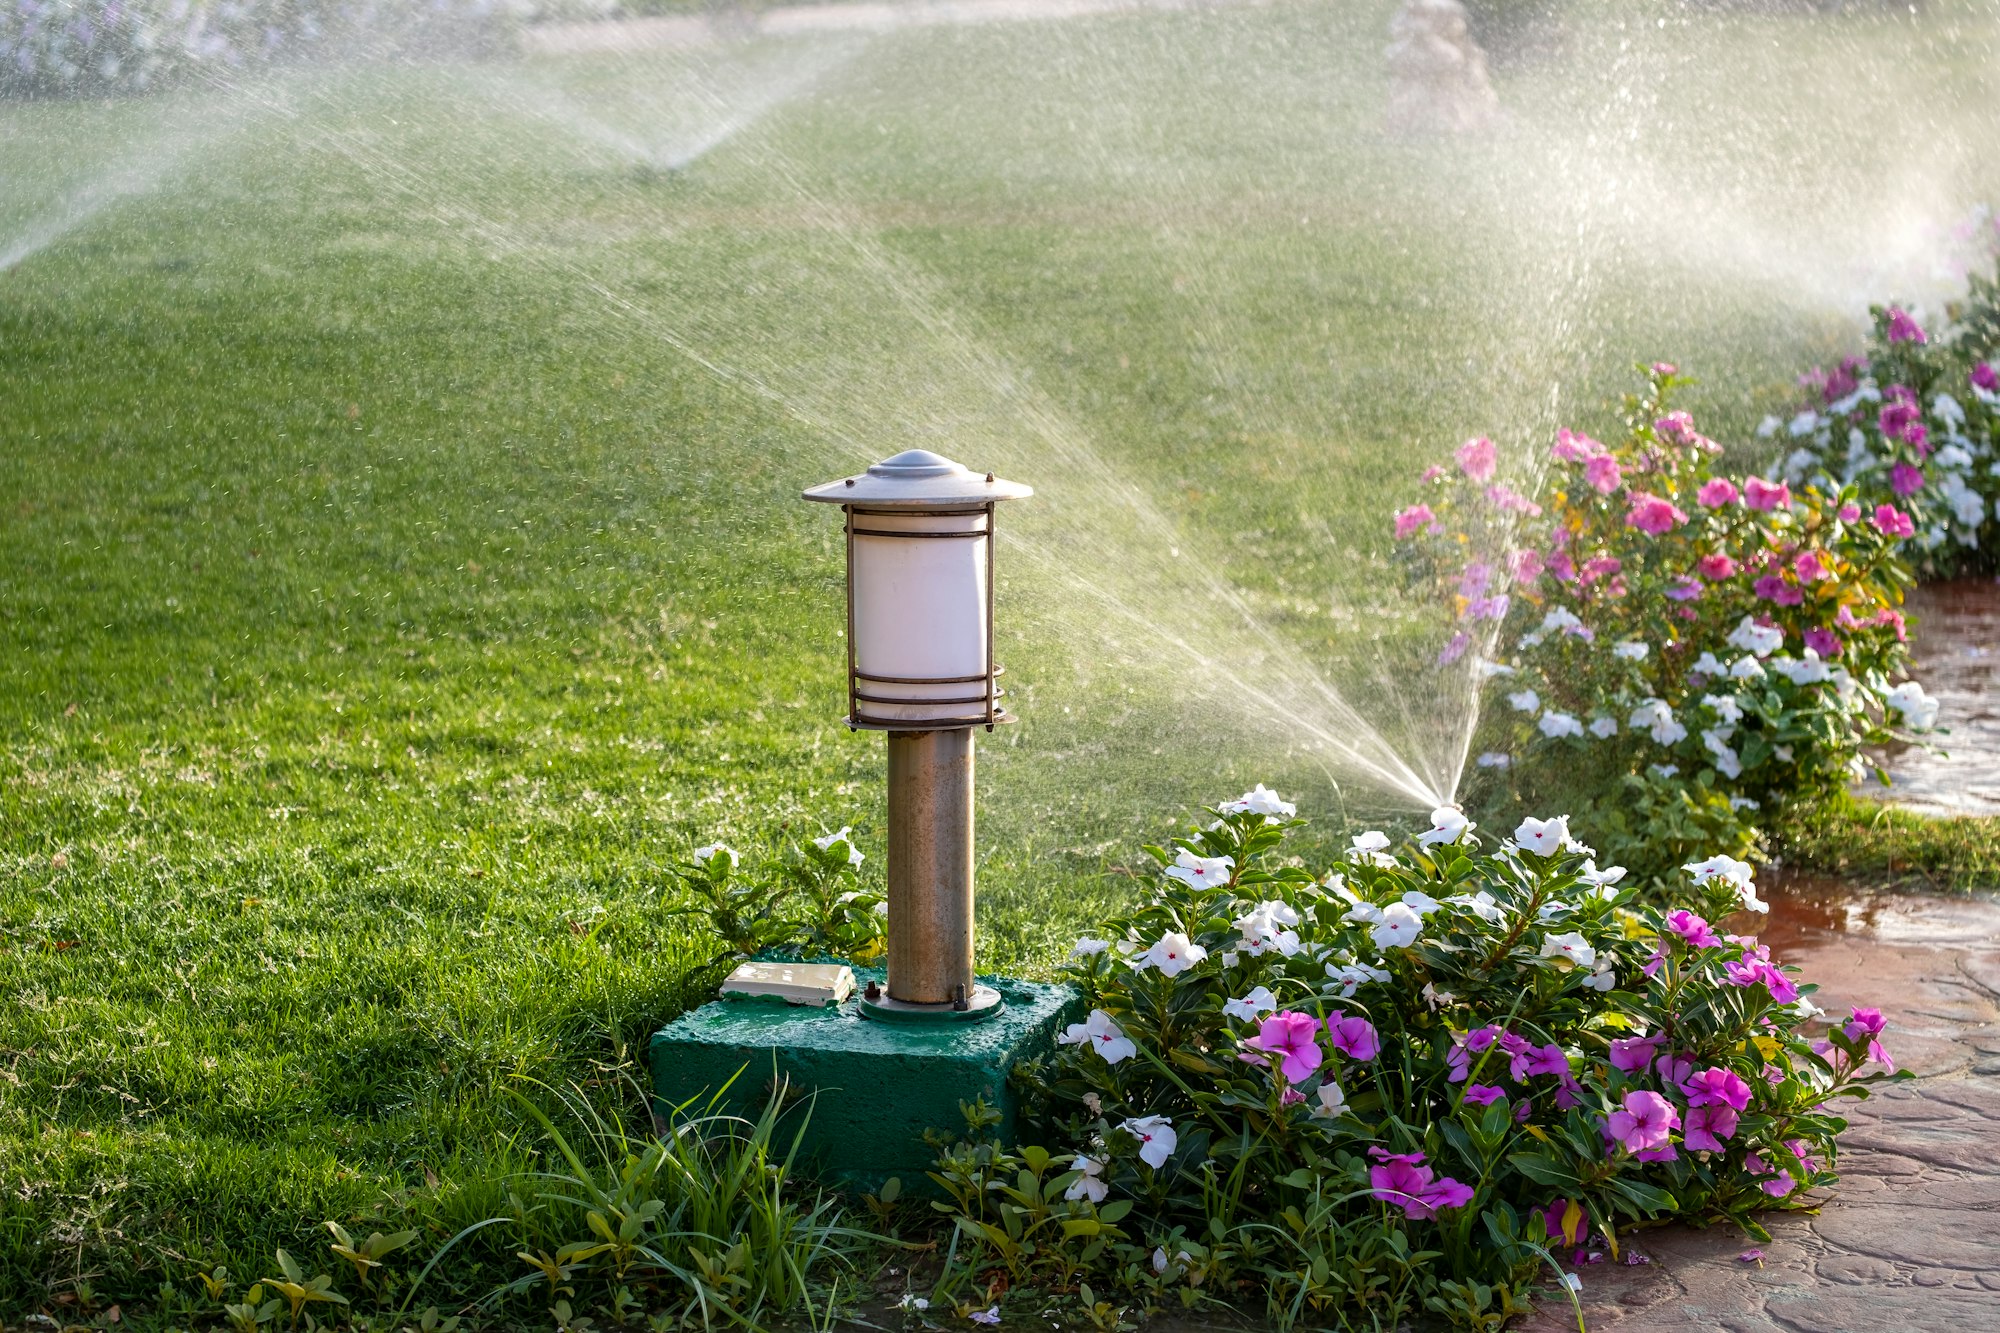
(879, 1085)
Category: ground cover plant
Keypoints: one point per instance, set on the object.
(391, 604)
(1401, 1086)
(1708, 651)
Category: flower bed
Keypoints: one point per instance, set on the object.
(1405, 1085)
(1680, 652)
(1913, 424)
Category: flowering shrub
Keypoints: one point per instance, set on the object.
(806, 902)
(1913, 425)
(1695, 649)
(1402, 1086)
(90, 47)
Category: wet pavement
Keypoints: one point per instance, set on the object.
(1910, 1239)
(1957, 650)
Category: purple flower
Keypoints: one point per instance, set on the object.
(1983, 376)
(1484, 1094)
(1903, 329)
(1693, 929)
(1823, 641)
(1717, 1086)
(1869, 1023)
(1631, 1055)
(1537, 1060)
(1707, 1126)
(1458, 1060)
(1905, 479)
(1773, 588)
(1290, 1037)
(1404, 1180)
(1645, 1122)
(1353, 1037)
(1673, 1069)
(1687, 588)
(1455, 649)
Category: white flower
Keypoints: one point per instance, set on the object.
(1200, 872)
(1102, 1035)
(1544, 837)
(1156, 1139)
(1603, 979)
(1087, 1185)
(1257, 1003)
(1258, 801)
(1760, 640)
(1572, 1281)
(1087, 946)
(1716, 739)
(1369, 848)
(1421, 903)
(1398, 927)
(1524, 701)
(1805, 423)
(1732, 872)
(1809, 670)
(1746, 668)
(1159, 1259)
(1494, 759)
(912, 1301)
(1768, 427)
(1726, 707)
(1093, 1103)
(1656, 719)
(1554, 725)
(1482, 905)
(854, 857)
(1600, 879)
(1664, 772)
(1435, 998)
(1604, 728)
(1174, 954)
(1352, 976)
(990, 1315)
(1708, 664)
(1630, 650)
(1332, 1101)
(1486, 670)
(703, 854)
(1560, 619)
(1448, 825)
(1743, 803)
(1571, 946)
(1264, 930)
(1805, 1008)
(1919, 710)
(1551, 910)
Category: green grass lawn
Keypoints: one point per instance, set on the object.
(401, 562)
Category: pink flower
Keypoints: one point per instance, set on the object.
(1693, 929)
(1473, 581)
(1850, 512)
(1809, 566)
(1602, 473)
(1801, 1150)
(1983, 376)
(1478, 458)
(1664, 368)
(1893, 522)
(1531, 1061)
(1774, 589)
(1561, 566)
(1447, 1193)
(1707, 1126)
(1899, 414)
(1653, 515)
(1717, 492)
(1676, 428)
(1459, 1058)
(1645, 1122)
(1354, 1037)
(1552, 1222)
(1598, 566)
(1777, 1187)
(1511, 501)
(1404, 1180)
(1455, 649)
(1488, 608)
(1869, 1023)
(1903, 329)
(1905, 479)
(1716, 568)
(1290, 1036)
(1765, 496)
(1717, 1086)
(1571, 447)
(1430, 474)
(1631, 1055)
(1686, 588)
(1673, 1070)
(1527, 565)
(1483, 1094)
(1413, 520)
(1890, 616)
(1823, 641)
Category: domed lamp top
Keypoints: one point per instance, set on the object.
(918, 479)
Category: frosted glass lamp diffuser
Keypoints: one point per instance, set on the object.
(920, 592)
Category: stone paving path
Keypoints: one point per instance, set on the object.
(1911, 1238)
(1957, 650)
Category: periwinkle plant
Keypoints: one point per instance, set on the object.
(1298, 1098)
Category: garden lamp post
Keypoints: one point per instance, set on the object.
(920, 667)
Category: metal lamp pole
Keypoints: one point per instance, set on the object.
(920, 667)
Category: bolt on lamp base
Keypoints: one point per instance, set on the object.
(983, 1003)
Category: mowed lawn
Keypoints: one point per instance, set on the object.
(401, 563)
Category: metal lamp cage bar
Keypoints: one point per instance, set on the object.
(856, 696)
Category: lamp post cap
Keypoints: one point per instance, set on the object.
(918, 479)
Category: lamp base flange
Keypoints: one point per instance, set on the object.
(985, 1002)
